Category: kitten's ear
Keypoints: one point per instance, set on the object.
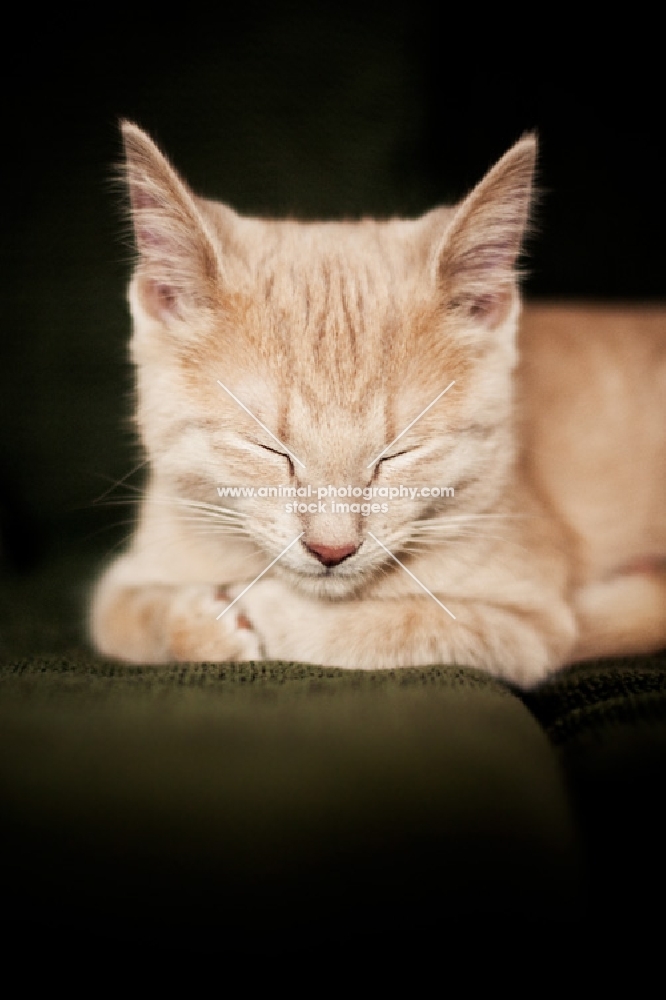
(475, 262)
(178, 267)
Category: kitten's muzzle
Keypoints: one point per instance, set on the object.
(331, 555)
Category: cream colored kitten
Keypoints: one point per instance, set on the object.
(277, 353)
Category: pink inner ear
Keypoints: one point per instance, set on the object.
(141, 198)
(483, 307)
(166, 296)
(489, 309)
(147, 237)
(145, 211)
(159, 299)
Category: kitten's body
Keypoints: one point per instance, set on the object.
(329, 340)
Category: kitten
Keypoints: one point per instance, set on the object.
(386, 355)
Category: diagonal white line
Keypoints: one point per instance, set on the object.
(415, 579)
(410, 425)
(229, 606)
(244, 407)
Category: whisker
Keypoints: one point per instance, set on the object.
(206, 515)
(119, 482)
(463, 535)
(118, 502)
(222, 526)
(462, 518)
(200, 504)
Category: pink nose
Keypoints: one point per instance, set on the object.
(331, 555)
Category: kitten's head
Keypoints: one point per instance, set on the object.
(283, 354)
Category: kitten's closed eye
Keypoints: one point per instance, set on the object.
(280, 454)
(397, 454)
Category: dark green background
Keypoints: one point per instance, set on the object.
(286, 107)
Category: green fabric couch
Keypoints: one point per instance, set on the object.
(211, 798)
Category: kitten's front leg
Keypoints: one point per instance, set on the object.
(158, 623)
(518, 643)
(201, 625)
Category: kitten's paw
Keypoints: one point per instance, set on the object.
(281, 616)
(195, 632)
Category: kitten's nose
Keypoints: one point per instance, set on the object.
(331, 555)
